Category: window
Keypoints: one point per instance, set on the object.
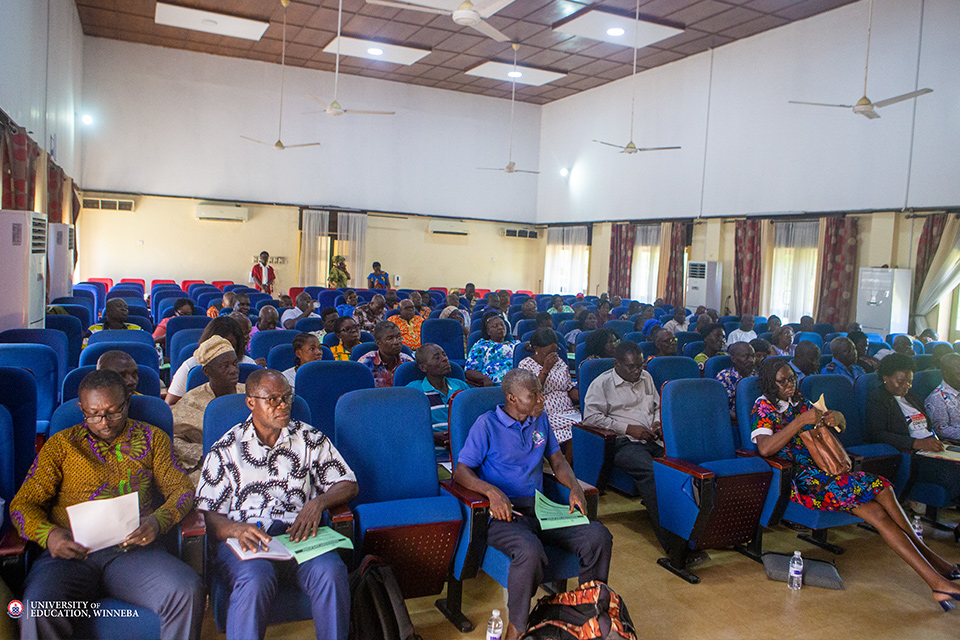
(646, 263)
(793, 283)
(567, 261)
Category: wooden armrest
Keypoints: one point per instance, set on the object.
(470, 498)
(12, 544)
(687, 467)
(600, 432)
(193, 524)
(746, 453)
(855, 457)
(778, 463)
(341, 513)
(588, 489)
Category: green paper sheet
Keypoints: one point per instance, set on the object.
(326, 540)
(555, 516)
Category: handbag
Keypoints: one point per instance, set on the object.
(827, 452)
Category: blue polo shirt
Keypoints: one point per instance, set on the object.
(439, 402)
(834, 367)
(509, 454)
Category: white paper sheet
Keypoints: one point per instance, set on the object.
(99, 524)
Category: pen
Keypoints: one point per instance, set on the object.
(259, 541)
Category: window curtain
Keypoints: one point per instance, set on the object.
(21, 155)
(930, 236)
(56, 183)
(838, 270)
(747, 282)
(673, 292)
(794, 269)
(646, 263)
(621, 259)
(313, 248)
(567, 260)
(943, 274)
(352, 244)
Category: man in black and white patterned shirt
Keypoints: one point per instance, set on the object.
(267, 476)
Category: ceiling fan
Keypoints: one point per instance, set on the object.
(511, 165)
(864, 106)
(278, 145)
(334, 108)
(467, 14)
(630, 148)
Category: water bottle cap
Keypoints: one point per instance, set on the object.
(496, 613)
(796, 553)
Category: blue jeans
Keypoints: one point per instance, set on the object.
(254, 585)
(147, 577)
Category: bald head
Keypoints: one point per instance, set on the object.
(843, 350)
(268, 318)
(258, 378)
(122, 363)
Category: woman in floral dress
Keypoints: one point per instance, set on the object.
(779, 415)
(559, 391)
(492, 355)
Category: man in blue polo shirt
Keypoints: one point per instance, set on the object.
(844, 361)
(503, 460)
(438, 387)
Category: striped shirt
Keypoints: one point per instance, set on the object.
(439, 401)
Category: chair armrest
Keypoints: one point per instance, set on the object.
(778, 463)
(686, 467)
(193, 524)
(600, 432)
(471, 499)
(475, 509)
(12, 544)
(340, 513)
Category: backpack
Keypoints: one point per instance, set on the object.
(377, 610)
(592, 611)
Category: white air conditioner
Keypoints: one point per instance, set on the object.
(219, 211)
(883, 300)
(449, 228)
(61, 245)
(703, 284)
(23, 262)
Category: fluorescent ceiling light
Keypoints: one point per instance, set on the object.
(515, 74)
(207, 21)
(615, 28)
(357, 48)
(86, 119)
(502, 71)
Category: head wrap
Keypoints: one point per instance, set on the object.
(211, 348)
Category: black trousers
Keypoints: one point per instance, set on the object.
(636, 460)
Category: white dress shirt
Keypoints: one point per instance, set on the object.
(613, 403)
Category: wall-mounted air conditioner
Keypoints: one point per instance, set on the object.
(448, 228)
(703, 284)
(510, 232)
(220, 211)
(61, 247)
(23, 262)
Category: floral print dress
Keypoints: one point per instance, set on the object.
(560, 410)
(813, 488)
(493, 359)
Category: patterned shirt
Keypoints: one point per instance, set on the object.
(382, 375)
(702, 357)
(943, 408)
(835, 368)
(99, 327)
(337, 277)
(439, 415)
(493, 359)
(188, 427)
(425, 312)
(74, 466)
(409, 329)
(248, 481)
(380, 280)
(339, 353)
(366, 318)
(729, 379)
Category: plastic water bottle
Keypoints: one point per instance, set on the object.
(795, 575)
(918, 527)
(495, 626)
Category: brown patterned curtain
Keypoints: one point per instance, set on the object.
(674, 293)
(838, 270)
(621, 259)
(933, 226)
(56, 182)
(20, 155)
(747, 284)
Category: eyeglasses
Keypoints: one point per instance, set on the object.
(109, 417)
(276, 401)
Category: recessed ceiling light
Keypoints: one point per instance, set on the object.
(375, 51)
(209, 22)
(607, 25)
(372, 50)
(564, 172)
(525, 75)
(86, 119)
(616, 32)
(515, 74)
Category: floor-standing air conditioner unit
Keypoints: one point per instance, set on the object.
(23, 263)
(703, 284)
(883, 300)
(60, 253)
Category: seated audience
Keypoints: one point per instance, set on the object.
(423, 310)
(348, 333)
(454, 313)
(502, 459)
(329, 316)
(626, 401)
(943, 403)
(304, 309)
(453, 300)
(587, 322)
(306, 348)
(544, 320)
(470, 296)
(632, 309)
(227, 301)
(492, 355)
(701, 310)
(665, 342)
(286, 302)
(528, 311)
(242, 305)
(616, 301)
(868, 363)
(603, 312)
(806, 360)
(106, 456)
(369, 314)
(713, 315)
(350, 300)
(267, 320)
(225, 327)
(182, 307)
(928, 335)
(600, 344)
(779, 415)
(895, 415)
(388, 355)
(559, 391)
(125, 365)
(852, 327)
(761, 349)
(745, 333)
(806, 324)
(844, 361)
(438, 386)
(245, 328)
(646, 314)
(782, 341)
(114, 317)
(390, 299)
(219, 361)
(678, 322)
(713, 342)
(938, 352)
(773, 323)
(493, 304)
(903, 345)
(409, 323)
(742, 366)
(305, 476)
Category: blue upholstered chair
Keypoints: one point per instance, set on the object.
(824, 328)
(930, 346)
(176, 344)
(692, 349)
(620, 327)
(810, 336)
(715, 365)
(322, 384)
(197, 377)
(367, 347)
(282, 357)
(686, 337)
(448, 334)
(40, 361)
(80, 312)
(923, 361)
(70, 327)
(149, 409)
(141, 353)
(519, 353)
(148, 382)
(667, 368)
(18, 394)
(180, 323)
(263, 341)
(305, 325)
(710, 498)
(54, 339)
(77, 301)
(410, 371)
(119, 335)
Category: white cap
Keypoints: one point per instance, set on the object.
(496, 613)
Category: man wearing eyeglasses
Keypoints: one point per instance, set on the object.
(267, 476)
(107, 456)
